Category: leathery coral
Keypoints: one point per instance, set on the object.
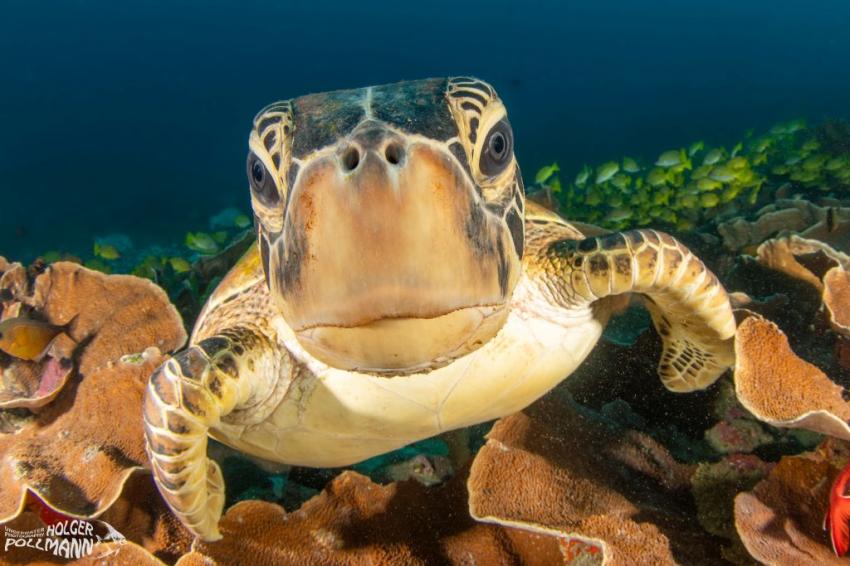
(553, 469)
(76, 451)
(780, 388)
(780, 520)
(355, 521)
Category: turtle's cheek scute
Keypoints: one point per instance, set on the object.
(375, 252)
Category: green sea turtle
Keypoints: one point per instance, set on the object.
(402, 287)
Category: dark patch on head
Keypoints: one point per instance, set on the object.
(503, 268)
(470, 93)
(321, 119)
(517, 230)
(269, 140)
(266, 122)
(471, 83)
(473, 130)
(457, 150)
(264, 256)
(238, 349)
(598, 264)
(418, 107)
(539, 221)
(587, 245)
(276, 160)
(476, 231)
(471, 106)
(291, 175)
(291, 255)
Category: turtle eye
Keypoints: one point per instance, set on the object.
(497, 149)
(262, 183)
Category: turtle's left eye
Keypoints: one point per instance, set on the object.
(497, 149)
(262, 183)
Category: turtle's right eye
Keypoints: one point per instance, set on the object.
(262, 183)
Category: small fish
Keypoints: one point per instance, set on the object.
(708, 184)
(106, 251)
(582, 176)
(621, 181)
(618, 215)
(810, 145)
(179, 264)
(630, 165)
(836, 163)
(738, 163)
(545, 172)
(795, 125)
(28, 339)
(838, 514)
(762, 145)
(735, 150)
(242, 221)
(201, 242)
(713, 156)
(657, 177)
(695, 148)
(670, 158)
(709, 200)
(722, 173)
(606, 171)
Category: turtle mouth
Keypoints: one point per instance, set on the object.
(393, 265)
(402, 345)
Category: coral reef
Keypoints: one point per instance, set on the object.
(77, 451)
(780, 520)
(553, 468)
(355, 521)
(608, 467)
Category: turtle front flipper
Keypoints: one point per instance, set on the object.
(185, 397)
(688, 305)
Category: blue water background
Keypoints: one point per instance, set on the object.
(133, 117)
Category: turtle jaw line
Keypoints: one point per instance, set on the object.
(411, 316)
(397, 345)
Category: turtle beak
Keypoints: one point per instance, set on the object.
(389, 259)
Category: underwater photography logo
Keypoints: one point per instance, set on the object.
(70, 539)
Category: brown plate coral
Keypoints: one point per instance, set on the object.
(76, 451)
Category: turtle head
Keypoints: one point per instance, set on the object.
(390, 221)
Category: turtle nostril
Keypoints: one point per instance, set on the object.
(394, 153)
(350, 159)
